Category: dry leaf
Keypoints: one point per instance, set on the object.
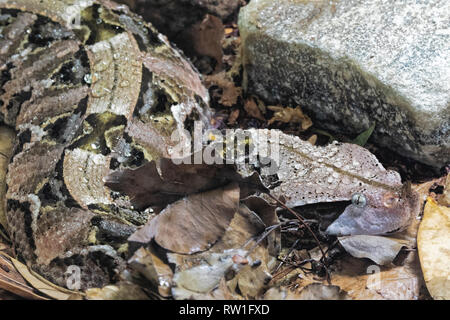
(204, 277)
(198, 221)
(234, 115)
(381, 250)
(147, 264)
(313, 291)
(12, 281)
(363, 280)
(159, 183)
(122, 291)
(205, 39)
(253, 110)
(290, 115)
(40, 284)
(313, 139)
(445, 199)
(230, 93)
(317, 291)
(251, 279)
(434, 249)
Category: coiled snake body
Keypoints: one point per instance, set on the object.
(88, 87)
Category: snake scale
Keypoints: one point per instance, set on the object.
(89, 87)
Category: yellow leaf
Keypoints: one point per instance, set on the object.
(290, 115)
(434, 249)
(445, 200)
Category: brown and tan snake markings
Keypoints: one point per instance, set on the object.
(82, 83)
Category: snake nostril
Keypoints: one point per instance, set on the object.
(390, 199)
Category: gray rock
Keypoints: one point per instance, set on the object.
(351, 63)
(173, 16)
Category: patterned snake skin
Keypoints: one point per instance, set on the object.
(89, 88)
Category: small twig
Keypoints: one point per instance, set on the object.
(266, 233)
(287, 255)
(300, 219)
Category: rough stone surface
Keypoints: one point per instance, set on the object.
(173, 16)
(355, 62)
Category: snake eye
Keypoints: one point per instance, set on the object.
(359, 200)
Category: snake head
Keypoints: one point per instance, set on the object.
(375, 213)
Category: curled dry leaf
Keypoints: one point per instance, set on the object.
(381, 250)
(269, 217)
(434, 249)
(290, 115)
(198, 221)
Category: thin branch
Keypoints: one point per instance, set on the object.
(282, 204)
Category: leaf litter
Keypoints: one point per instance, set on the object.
(243, 249)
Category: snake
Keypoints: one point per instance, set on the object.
(88, 87)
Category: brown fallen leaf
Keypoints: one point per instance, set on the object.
(363, 280)
(290, 115)
(313, 139)
(12, 281)
(253, 110)
(248, 280)
(198, 221)
(205, 39)
(40, 284)
(445, 199)
(230, 93)
(269, 217)
(161, 182)
(234, 115)
(434, 249)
